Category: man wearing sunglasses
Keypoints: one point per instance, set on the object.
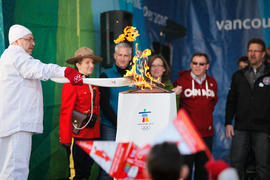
(198, 98)
(248, 101)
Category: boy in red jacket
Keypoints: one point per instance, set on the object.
(198, 98)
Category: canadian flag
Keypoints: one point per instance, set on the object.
(128, 161)
(119, 160)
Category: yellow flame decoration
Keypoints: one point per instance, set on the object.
(130, 34)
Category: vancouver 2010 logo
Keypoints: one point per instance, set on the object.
(145, 122)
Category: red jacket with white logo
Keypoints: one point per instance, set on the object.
(78, 98)
(199, 101)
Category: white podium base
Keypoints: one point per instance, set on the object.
(142, 115)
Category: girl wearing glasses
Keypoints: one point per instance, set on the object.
(159, 69)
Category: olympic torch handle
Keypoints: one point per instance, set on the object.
(104, 82)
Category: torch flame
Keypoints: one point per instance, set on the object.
(139, 72)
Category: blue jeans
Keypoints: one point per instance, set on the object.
(260, 142)
(108, 133)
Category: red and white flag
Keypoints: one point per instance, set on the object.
(119, 160)
(128, 161)
(182, 132)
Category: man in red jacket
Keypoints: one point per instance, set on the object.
(198, 98)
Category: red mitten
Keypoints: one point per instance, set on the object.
(74, 76)
(214, 168)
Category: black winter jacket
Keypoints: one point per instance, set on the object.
(251, 108)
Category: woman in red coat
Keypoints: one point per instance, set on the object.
(84, 99)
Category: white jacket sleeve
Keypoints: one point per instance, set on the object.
(31, 68)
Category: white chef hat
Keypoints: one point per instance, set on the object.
(16, 32)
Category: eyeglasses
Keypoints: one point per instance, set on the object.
(29, 39)
(254, 51)
(196, 63)
(157, 66)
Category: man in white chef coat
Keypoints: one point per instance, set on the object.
(21, 100)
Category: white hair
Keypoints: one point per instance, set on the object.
(122, 44)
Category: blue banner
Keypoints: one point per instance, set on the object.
(221, 29)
